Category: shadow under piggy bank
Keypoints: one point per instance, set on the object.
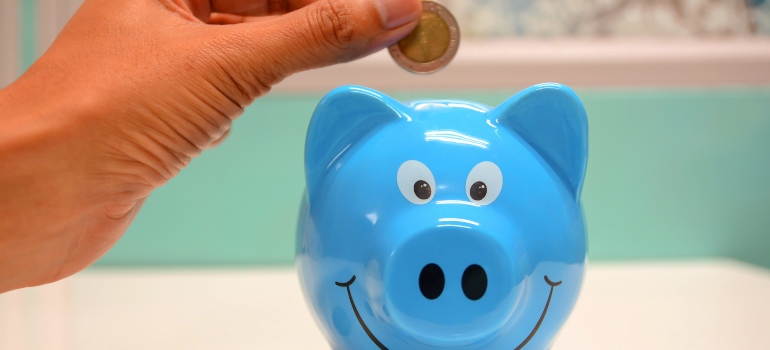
(443, 224)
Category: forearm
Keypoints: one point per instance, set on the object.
(77, 159)
(49, 210)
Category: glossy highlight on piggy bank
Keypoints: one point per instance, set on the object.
(443, 224)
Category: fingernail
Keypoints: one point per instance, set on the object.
(395, 13)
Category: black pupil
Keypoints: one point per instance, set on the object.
(478, 191)
(422, 189)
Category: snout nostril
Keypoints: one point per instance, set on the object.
(474, 282)
(431, 281)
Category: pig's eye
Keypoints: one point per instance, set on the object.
(416, 182)
(484, 183)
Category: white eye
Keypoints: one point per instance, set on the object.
(416, 182)
(484, 183)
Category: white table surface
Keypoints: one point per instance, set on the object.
(716, 304)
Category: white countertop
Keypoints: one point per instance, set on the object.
(717, 304)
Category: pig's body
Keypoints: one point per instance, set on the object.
(443, 224)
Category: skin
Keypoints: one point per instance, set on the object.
(130, 92)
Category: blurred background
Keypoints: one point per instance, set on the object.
(677, 94)
(612, 18)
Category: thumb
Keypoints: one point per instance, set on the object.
(322, 33)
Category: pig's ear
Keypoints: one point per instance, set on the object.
(552, 120)
(343, 117)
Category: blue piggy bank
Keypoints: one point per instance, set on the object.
(443, 224)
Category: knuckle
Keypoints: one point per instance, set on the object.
(337, 23)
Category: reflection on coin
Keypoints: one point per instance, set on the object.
(432, 44)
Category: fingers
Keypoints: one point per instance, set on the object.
(224, 18)
(256, 7)
(202, 9)
(322, 33)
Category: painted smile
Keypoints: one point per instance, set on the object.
(379, 344)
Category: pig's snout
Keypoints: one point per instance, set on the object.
(452, 284)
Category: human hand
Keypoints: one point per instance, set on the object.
(131, 91)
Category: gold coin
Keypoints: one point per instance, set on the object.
(428, 41)
(432, 44)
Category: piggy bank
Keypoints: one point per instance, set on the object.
(443, 224)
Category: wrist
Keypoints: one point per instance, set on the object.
(40, 184)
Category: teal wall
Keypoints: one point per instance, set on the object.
(672, 174)
(28, 32)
